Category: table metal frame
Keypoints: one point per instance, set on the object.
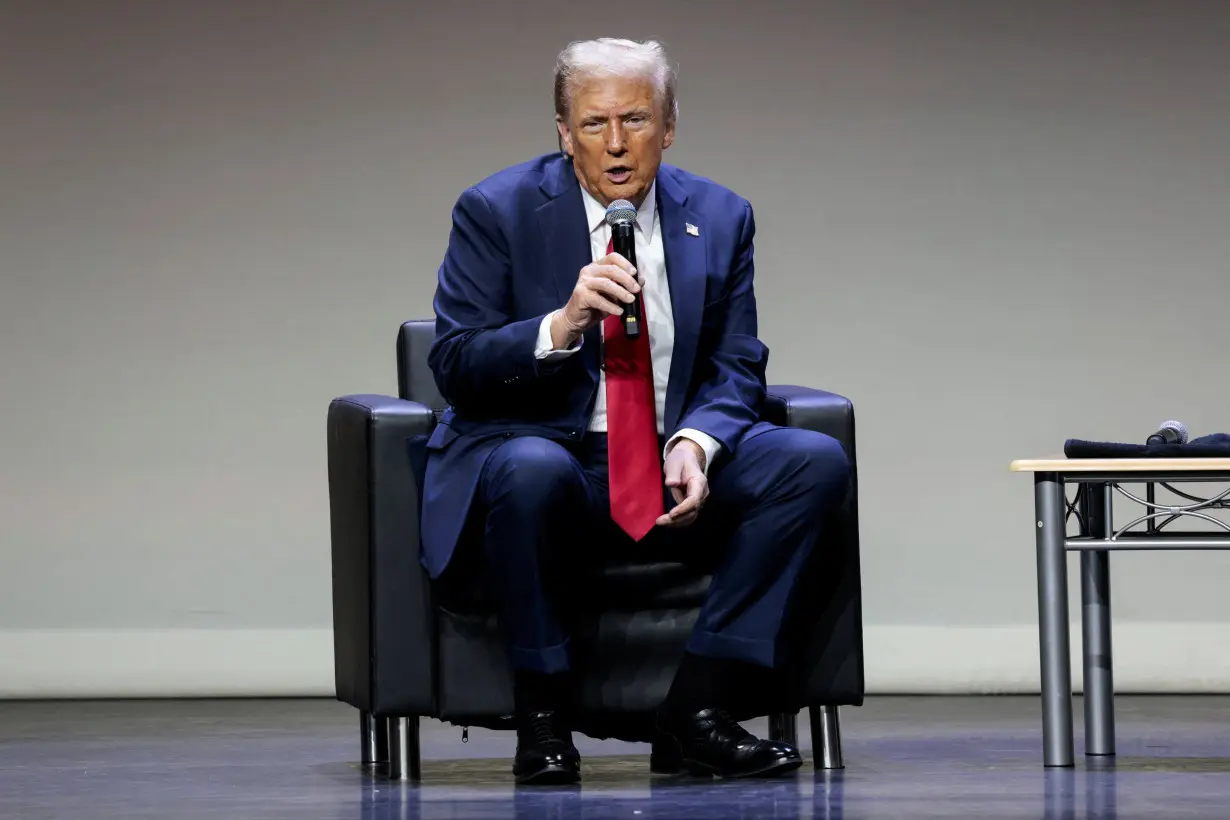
(1094, 509)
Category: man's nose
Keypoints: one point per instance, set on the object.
(615, 143)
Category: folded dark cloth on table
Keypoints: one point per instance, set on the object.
(1216, 445)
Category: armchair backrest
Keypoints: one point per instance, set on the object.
(415, 381)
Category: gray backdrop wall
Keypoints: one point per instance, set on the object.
(993, 225)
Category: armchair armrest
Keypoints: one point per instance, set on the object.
(382, 616)
(833, 658)
(793, 406)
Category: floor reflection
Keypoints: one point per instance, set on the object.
(614, 786)
(905, 757)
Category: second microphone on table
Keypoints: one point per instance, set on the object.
(1169, 432)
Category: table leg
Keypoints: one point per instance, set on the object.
(1050, 506)
(1095, 622)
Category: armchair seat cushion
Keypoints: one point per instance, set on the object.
(634, 586)
(617, 585)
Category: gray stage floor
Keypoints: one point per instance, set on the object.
(905, 758)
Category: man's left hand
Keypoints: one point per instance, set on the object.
(685, 475)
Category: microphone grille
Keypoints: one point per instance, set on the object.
(620, 211)
(1177, 426)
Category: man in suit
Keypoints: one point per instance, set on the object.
(564, 434)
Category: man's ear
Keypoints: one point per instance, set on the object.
(565, 136)
(668, 137)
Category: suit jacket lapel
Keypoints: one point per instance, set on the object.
(685, 271)
(562, 220)
(566, 237)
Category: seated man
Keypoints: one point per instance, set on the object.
(563, 434)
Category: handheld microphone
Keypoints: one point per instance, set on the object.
(1169, 432)
(621, 216)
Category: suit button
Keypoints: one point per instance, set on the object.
(573, 434)
(508, 435)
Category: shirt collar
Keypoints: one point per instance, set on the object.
(595, 214)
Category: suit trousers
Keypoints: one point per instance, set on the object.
(543, 508)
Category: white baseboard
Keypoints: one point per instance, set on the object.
(1148, 658)
(50, 663)
(165, 663)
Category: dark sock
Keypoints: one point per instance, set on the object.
(539, 692)
(702, 683)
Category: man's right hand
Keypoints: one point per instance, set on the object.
(602, 289)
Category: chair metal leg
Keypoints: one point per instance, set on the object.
(404, 762)
(374, 737)
(784, 726)
(826, 737)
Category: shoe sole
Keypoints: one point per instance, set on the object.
(695, 767)
(550, 776)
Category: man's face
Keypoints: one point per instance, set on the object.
(616, 134)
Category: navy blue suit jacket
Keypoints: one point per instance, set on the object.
(518, 242)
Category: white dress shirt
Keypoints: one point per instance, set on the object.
(659, 320)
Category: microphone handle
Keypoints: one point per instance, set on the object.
(623, 242)
(1164, 436)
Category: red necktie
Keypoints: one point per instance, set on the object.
(633, 464)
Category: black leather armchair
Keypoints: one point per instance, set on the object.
(401, 652)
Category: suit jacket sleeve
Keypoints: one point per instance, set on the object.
(732, 389)
(479, 353)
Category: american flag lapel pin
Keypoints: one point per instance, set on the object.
(691, 229)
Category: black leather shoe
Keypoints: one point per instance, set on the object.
(711, 742)
(545, 754)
